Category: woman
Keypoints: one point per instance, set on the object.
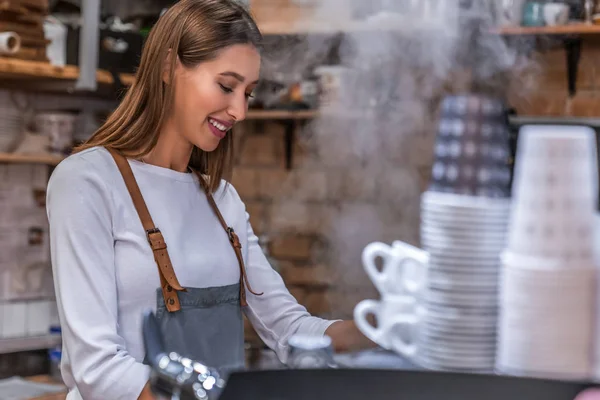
(151, 177)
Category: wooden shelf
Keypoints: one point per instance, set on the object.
(281, 114)
(53, 160)
(7, 158)
(28, 343)
(15, 69)
(330, 27)
(127, 79)
(300, 28)
(569, 29)
(570, 34)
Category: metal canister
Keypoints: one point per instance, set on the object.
(310, 352)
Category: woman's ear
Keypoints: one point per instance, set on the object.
(168, 65)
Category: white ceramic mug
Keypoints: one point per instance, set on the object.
(509, 12)
(397, 321)
(404, 267)
(556, 14)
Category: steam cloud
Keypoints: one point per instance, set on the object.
(376, 143)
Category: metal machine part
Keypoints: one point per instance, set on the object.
(174, 376)
(308, 351)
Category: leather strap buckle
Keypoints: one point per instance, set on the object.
(230, 233)
(233, 237)
(151, 231)
(156, 239)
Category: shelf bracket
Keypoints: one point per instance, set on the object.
(573, 55)
(289, 136)
(290, 126)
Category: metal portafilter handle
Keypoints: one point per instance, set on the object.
(174, 376)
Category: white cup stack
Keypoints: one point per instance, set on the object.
(399, 281)
(547, 309)
(464, 237)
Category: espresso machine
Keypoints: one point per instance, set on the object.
(177, 377)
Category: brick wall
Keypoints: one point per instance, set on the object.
(290, 230)
(319, 215)
(551, 97)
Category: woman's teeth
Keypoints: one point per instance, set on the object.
(217, 125)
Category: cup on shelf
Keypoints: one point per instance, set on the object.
(509, 12)
(533, 14)
(14, 319)
(556, 14)
(59, 127)
(332, 82)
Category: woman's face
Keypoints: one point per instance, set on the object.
(211, 97)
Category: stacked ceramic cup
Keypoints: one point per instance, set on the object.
(399, 281)
(464, 220)
(549, 273)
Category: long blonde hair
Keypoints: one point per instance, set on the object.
(195, 30)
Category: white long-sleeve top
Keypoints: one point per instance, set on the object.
(106, 277)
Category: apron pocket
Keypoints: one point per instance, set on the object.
(209, 327)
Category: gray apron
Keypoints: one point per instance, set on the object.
(208, 327)
(204, 324)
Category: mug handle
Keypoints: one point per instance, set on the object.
(361, 311)
(397, 344)
(418, 256)
(369, 255)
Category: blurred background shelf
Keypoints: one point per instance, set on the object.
(303, 28)
(281, 114)
(40, 74)
(570, 29)
(253, 115)
(28, 343)
(8, 158)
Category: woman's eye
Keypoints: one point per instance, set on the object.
(249, 96)
(226, 89)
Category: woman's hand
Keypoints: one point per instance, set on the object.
(347, 337)
(147, 393)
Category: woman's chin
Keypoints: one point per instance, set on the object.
(208, 145)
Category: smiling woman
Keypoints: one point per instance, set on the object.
(140, 217)
(212, 97)
(200, 61)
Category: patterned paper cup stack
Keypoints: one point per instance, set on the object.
(549, 274)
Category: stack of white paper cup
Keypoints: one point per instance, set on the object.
(548, 288)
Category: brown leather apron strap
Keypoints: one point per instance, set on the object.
(233, 239)
(168, 279)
